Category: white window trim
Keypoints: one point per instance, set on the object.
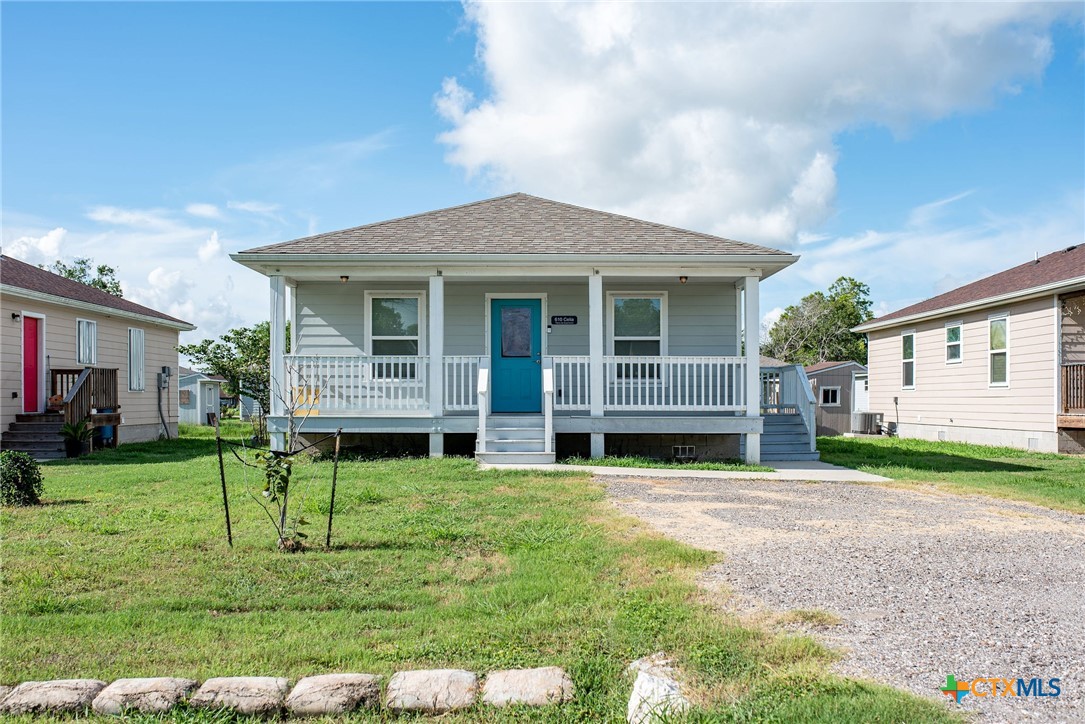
(821, 396)
(959, 343)
(663, 325)
(79, 321)
(142, 360)
(904, 334)
(991, 352)
(393, 294)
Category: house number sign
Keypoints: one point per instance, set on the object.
(563, 319)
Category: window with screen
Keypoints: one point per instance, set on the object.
(86, 342)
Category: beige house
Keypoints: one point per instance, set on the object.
(1000, 361)
(69, 350)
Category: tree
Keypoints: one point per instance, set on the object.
(242, 357)
(104, 277)
(818, 328)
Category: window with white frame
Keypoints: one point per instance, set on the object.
(638, 328)
(136, 359)
(954, 346)
(907, 357)
(998, 351)
(830, 397)
(395, 327)
(86, 342)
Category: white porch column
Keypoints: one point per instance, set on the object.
(596, 310)
(753, 364)
(436, 359)
(277, 351)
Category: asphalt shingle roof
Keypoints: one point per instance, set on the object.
(19, 274)
(515, 224)
(1052, 268)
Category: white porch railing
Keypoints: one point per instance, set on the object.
(787, 391)
(572, 382)
(678, 384)
(461, 382)
(333, 384)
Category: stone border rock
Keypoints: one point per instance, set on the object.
(426, 691)
(657, 693)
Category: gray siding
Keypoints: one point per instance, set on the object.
(834, 420)
(330, 316)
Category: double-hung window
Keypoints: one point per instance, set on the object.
(136, 357)
(953, 343)
(395, 326)
(638, 326)
(86, 342)
(907, 357)
(998, 351)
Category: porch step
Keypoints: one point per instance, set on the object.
(784, 439)
(36, 434)
(515, 440)
(515, 458)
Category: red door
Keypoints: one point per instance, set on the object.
(31, 356)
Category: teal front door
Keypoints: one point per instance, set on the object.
(516, 355)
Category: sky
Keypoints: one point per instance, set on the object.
(915, 147)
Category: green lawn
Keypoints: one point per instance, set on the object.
(125, 572)
(1055, 481)
(631, 461)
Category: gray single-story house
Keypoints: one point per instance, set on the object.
(527, 328)
(834, 385)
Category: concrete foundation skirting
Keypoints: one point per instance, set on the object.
(1034, 440)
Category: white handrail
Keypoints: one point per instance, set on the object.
(809, 409)
(483, 403)
(548, 405)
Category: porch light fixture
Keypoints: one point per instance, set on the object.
(16, 316)
(683, 280)
(344, 279)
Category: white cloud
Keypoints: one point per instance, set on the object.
(253, 207)
(929, 254)
(44, 249)
(769, 318)
(204, 211)
(210, 248)
(149, 219)
(720, 116)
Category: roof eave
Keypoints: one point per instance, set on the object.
(1066, 285)
(262, 262)
(179, 325)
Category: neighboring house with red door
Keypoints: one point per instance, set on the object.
(72, 349)
(525, 329)
(1000, 361)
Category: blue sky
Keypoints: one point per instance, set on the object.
(915, 147)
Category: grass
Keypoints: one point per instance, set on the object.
(125, 572)
(1054, 481)
(634, 461)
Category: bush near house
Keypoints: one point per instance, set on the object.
(20, 479)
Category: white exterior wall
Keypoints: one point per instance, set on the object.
(139, 410)
(955, 401)
(331, 318)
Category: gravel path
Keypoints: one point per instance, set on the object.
(926, 583)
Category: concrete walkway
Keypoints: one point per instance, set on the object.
(806, 471)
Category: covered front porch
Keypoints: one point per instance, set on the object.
(577, 351)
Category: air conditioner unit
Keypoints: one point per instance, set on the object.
(866, 423)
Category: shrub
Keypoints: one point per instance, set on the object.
(20, 479)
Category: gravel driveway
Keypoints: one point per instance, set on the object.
(926, 583)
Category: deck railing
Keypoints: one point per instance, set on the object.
(461, 382)
(86, 389)
(678, 384)
(787, 391)
(572, 382)
(383, 384)
(1073, 389)
(340, 384)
